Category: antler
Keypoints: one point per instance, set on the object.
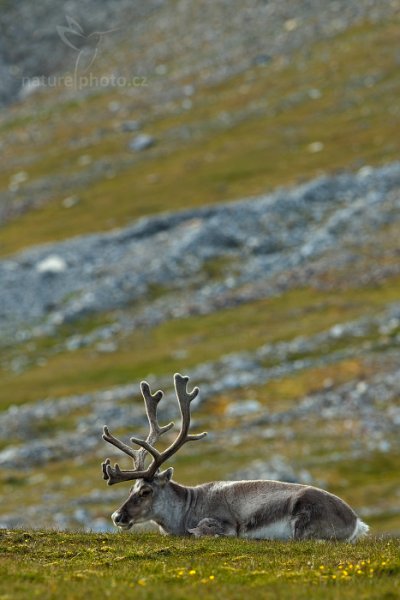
(114, 474)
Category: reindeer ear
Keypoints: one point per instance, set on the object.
(166, 475)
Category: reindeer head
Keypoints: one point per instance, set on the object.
(150, 489)
(145, 500)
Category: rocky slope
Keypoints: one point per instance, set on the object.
(262, 241)
(211, 40)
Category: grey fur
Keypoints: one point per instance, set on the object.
(212, 527)
(244, 508)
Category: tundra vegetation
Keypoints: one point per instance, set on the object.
(75, 565)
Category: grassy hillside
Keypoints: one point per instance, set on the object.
(60, 566)
(202, 338)
(328, 108)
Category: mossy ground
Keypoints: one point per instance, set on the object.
(53, 565)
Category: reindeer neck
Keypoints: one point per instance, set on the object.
(172, 510)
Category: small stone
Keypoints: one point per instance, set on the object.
(314, 93)
(74, 343)
(84, 160)
(106, 347)
(161, 69)
(114, 106)
(130, 126)
(70, 201)
(17, 179)
(384, 446)
(361, 387)
(188, 90)
(365, 171)
(291, 24)
(241, 409)
(142, 142)
(336, 331)
(315, 147)
(261, 59)
(187, 104)
(52, 265)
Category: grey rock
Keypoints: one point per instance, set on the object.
(130, 126)
(142, 142)
(51, 265)
(241, 409)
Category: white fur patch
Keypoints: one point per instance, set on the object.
(360, 530)
(280, 530)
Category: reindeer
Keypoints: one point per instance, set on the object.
(247, 509)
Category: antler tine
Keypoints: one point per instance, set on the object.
(151, 402)
(184, 399)
(113, 474)
(118, 444)
(155, 432)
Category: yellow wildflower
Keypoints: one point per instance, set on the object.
(192, 572)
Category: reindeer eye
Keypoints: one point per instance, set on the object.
(145, 492)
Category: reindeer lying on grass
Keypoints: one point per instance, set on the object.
(246, 509)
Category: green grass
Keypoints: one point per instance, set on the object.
(53, 565)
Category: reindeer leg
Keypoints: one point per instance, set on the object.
(300, 527)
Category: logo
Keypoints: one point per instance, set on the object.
(86, 44)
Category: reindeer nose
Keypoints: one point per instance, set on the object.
(116, 517)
